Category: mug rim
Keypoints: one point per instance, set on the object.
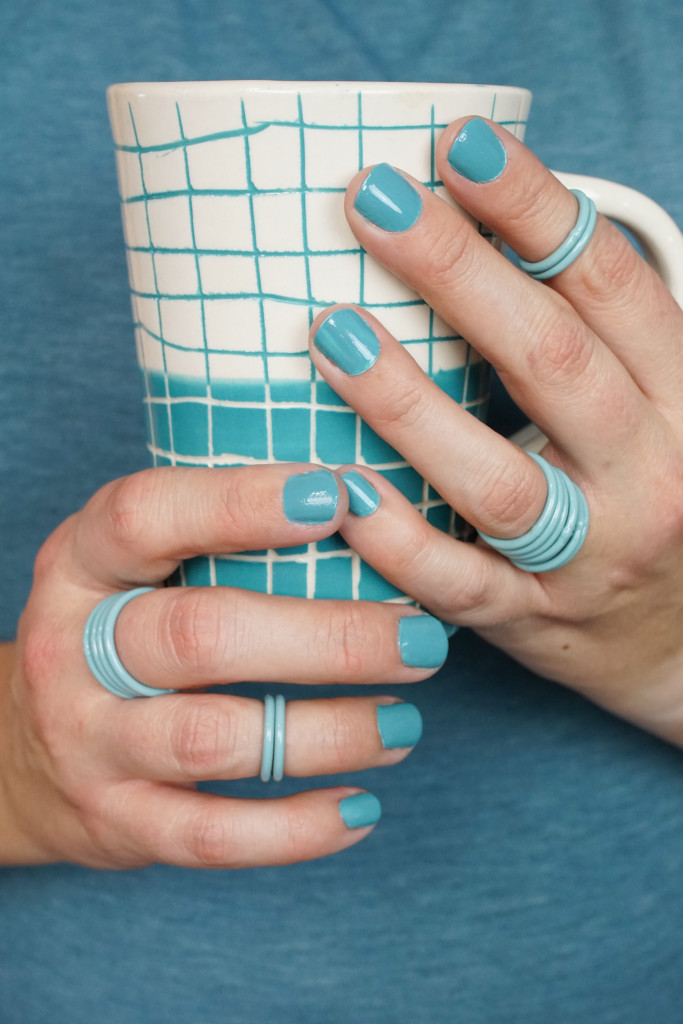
(298, 85)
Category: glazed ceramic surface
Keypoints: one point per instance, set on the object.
(232, 198)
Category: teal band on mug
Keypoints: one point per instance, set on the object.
(558, 533)
(100, 649)
(573, 245)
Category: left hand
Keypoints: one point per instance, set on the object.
(595, 358)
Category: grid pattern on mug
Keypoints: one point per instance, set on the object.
(224, 288)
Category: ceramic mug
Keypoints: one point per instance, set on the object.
(232, 203)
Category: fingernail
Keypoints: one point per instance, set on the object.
(422, 641)
(400, 725)
(477, 153)
(388, 200)
(348, 341)
(360, 810)
(363, 498)
(311, 497)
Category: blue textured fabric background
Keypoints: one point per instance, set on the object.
(528, 865)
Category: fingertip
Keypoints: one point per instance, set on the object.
(360, 810)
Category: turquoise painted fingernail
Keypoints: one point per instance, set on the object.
(477, 153)
(348, 341)
(400, 725)
(360, 810)
(363, 498)
(311, 497)
(388, 200)
(422, 641)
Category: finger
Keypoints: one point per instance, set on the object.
(614, 291)
(556, 369)
(211, 736)
(462, 583)
(201, 830)
(200, 636)
(138, 529)
(493, 484)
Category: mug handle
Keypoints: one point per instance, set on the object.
(657, 234)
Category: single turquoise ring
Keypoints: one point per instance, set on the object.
(573, 245)
(100, 649)
(279, 739)
(268, 738)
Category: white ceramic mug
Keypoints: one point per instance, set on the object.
(232, 202)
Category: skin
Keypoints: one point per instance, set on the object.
(594, 357)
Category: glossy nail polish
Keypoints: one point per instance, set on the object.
(400, 725)
(422, 641)
(311, 497)
(360, 810)
(388, 200)
(477, 153)
(348, 341)
(363, 498)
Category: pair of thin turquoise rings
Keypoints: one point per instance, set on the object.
(573, 245)
(273, 757)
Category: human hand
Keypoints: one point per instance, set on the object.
(90, 777)
(595, 359)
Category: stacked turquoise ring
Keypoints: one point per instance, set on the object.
(573, 245)
(558, 533)
(100, 649)
(273, 758)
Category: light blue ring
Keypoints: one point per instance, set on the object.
(574, 544)
(554, 540)
(558, 533)
(515, 545)
(268, 737)
(100, 649)
(279, 745)
(573, 245)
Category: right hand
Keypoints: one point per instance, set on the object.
(110, 783)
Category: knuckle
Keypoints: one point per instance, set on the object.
(297, 827)
(409, 559)
(560, 352)
(445, 253)
(189, 628)
(239, 502)
(340, 738)
(202, 739)
(347, 641)
(126, 508)
(611, 269)
(208, 838)
(505, 495)
(468, 590)
(52, 552)
(404, 405)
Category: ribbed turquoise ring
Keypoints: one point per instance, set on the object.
(273, 756)
(100, 650)
(558, 533)
(573, 245)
